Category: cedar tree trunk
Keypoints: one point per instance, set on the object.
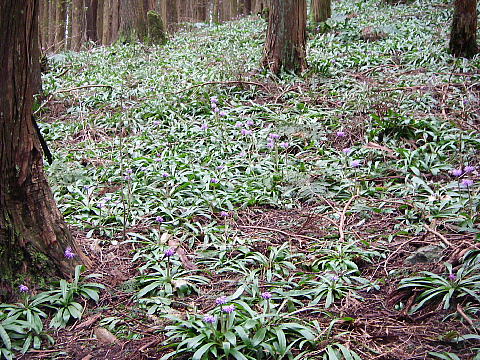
(133, 21)
(285, 43)
(33, 234)
(463, 38)
(320, 10)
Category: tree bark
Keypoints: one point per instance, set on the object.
(33, 234)
(172, 14)
(51, 25)
(133, 21)
(320, 10)
(285, 43)
(100, 21)
(78, 24)
(92, 8)
(463, 36)
(60, 17)
(107, 22)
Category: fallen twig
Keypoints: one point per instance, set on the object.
(229, 82)
(341, 227)
(434, 232)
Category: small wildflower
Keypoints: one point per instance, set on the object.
(224, 214)
(68, 253)
(274, 136)
(469, 169)
(222, 113)
(165, 174)
(238, 124)
(341, 133)
(221, 300)
(284, 145)
(457, 172)
(266, 295)
(214, 100)
(159, 157)
(156, 122)
(452, 277)
(23, 288)
(220, 167)
(209, 319)
(466, 183)
(270, 145)
(169, 252)
(335, 278)
(249, 122)
(355, 163)
(159, 219)
(347, 151)
(229, 309)
(216, 110)
(127, 177)
(214, 105)
(129, 171)
(242, 154)
(214, 180)
(247, 132)
(204, 127)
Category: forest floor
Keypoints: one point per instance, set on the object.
(334, 192)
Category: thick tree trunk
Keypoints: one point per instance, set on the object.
(100, 21)
(33, 234)
(51, 25)
(320, 10)
(133, 21)
(172, 14)
(285, 44)
(107, 22)
(78, 24)
(92, 8)
(463, 37)
(60, 17)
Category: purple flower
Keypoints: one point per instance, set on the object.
(159, 157)
(220, 167)
(347, 151)
(222, 113)
(23, 288)
(238, 124)
(216, 110)
(159, 219)
(221, 300)
(457, 172)
(284, 145)
(204, 127)
(129, 171)
(266, 295)
(469, 169)
(156, 122)
(341, 133)
(214, 180)
(247, 132)
(224, 214)
(68, 253)
(274, 136)
(169, 252)
(127, 177)
(214, 105)
(466, 183)
(242, 154)
(214, 100)
(165, 174)
(355, 163)
(229, 309)
(270, 145)
(249, 122)
(452, 277)
(335, 278)
(209, 319)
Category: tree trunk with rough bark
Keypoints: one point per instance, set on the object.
(172, 14)
(133, 21)
(320, 10)
(285, 43)
(78, 24)
(33, 234)
(61, 15)
(100, 21)
(463, 36)
(91, 17)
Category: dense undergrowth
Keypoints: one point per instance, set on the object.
(205, 174)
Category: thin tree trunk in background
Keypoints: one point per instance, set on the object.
(33, 234)
(78, 24)
(463, 36)
(320, 10)
(285, 43)
(107, 22)
(51, 25)
(115, 8)
(100, 21)
(68, 40)
(60, 25)
(200, 10)
(91, 17)
(216, 12)
(43, 24)
(247, 7)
